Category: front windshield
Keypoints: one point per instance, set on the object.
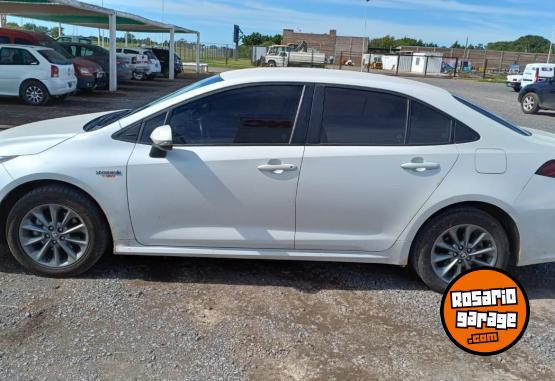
(107, 119)
(493, 117)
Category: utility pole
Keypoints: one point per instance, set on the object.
(365, 36)
(551, 45)
(3, 21)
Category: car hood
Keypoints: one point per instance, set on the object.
(33, 138)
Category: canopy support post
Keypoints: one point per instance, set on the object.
(171, 74)
(197, 53)
(113, 64)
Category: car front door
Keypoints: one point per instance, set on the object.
(371, 161)
(231, 178)
(15, 66)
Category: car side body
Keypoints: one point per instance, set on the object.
(313, 196)
(538, 96)
(24, 68)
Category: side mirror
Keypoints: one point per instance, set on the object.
(161, 141)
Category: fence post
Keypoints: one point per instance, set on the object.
(341, 60)
(426, 67)
(456, 67)
(397, 66)
(312, 59)
(226, 54)
(485, 68)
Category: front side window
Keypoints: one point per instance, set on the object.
(360, 117)
(428, 126)
(249, 115)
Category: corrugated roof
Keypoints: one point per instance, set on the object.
(82, 14)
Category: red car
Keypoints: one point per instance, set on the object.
(89, 74)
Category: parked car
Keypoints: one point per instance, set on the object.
(540, 95)
(340, 166)
(35, 74)
(153, 65)
(139, 63)
(163, 56)
(536, 72)
(89, 74)
(285, 55)
(101, 56)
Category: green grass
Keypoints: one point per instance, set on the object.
(241, 63)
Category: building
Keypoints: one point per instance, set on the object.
(332, 45)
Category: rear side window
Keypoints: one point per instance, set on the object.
(248, 115)
(54, 57)
(23, 41)
(14, 56)
(360, 117)
(428, 126)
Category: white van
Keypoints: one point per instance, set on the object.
(535, 72)
(36, 74)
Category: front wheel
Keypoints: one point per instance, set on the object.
(138, 76)
(57, 231)
(272, 64)
(458, 240)
(530, 103)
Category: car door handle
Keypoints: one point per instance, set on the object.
(420, 167)
(277, 168)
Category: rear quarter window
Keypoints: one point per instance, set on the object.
(54, 57)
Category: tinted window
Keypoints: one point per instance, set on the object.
(250, 115)
(428, 126)
(54, 57)
(465, 134)
(85, 52)
(22, 41)
(150, 125)
(13, 56)
(129, 51)
(4, 40)
(129, 134)
(360, 117)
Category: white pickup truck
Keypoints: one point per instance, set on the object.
(283, 56)
(533, 73)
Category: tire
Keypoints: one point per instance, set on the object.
(272, 64)
(426, 255)
(138, 76)
(530, 103)
(55, 261)
(34, 93)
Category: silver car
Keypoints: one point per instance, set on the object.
(300, 164)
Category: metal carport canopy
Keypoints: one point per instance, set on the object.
(92, 16)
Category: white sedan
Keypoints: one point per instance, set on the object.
(301, 164)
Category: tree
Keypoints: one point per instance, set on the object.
(526, 44)
(258, 39)
(390, 42)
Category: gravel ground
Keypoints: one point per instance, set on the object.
(191, 319)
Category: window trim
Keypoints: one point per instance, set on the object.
(298, 132)
(313, 136)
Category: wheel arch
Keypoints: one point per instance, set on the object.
(32, 79)
(504, 218)
(16, 193)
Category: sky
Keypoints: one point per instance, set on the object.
(439, 21)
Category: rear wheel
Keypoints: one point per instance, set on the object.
(34, 93)
(458, 240)
(530, 103)
(272, 64)
(57, 231)
(139, 76)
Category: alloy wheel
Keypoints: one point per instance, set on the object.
(461, 248)
(53, 235)
(34, 94)
(528, 103)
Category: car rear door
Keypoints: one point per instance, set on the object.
(372, 160)
(231, 179)
(16, 65)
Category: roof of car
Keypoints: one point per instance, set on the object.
(34, 47)
(338, 77)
